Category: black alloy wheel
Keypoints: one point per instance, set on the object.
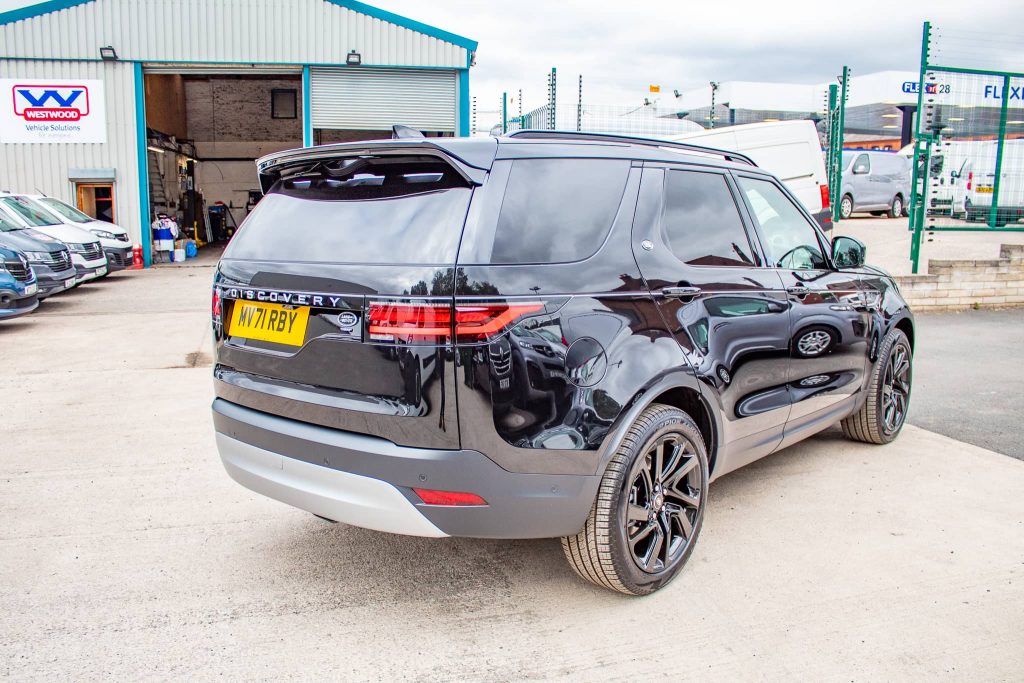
(884, 412)
(896, 389)
(663, 503)
(649, 508)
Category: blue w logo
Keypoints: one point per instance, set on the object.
(48, 95)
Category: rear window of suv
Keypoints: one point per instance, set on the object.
(396, 210)
(552, 211)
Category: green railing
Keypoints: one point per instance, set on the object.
(968, 158)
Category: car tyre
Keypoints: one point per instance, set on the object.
(884, 412)
(845, 207)
(896, 208)
(649, 508)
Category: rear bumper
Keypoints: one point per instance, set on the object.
(367, 481)
(824, 219)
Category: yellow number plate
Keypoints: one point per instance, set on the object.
(269, 322)
(985, 189)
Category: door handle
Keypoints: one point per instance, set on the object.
(798, 290)
(680, 292)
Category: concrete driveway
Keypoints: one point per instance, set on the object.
(127, 553)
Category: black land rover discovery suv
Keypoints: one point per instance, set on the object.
(540, 335)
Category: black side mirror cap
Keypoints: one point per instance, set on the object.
(848, 252)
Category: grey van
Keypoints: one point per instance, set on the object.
(875, 182)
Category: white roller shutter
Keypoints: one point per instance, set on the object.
(354, 98)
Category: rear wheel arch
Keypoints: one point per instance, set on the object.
(691, 402)
(680, 391)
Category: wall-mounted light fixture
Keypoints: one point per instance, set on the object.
(108, 54)
(353, 58)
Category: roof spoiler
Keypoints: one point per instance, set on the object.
(272, 166)
(629, 140)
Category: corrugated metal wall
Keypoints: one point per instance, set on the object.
(31, 166)
(361, 99)
(267, 31)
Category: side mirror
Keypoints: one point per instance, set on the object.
(848, 252)
(860, 169)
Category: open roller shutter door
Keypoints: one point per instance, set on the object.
(353, 98)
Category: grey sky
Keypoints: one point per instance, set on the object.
(621, 47)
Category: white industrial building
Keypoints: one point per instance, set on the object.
(879, 107)
(128, 108)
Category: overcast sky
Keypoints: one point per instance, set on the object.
(622, 47)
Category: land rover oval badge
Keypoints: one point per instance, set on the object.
(347, 320)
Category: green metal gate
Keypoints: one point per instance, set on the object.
(835, 120)
(968, 159)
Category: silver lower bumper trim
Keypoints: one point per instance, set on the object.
(340, 496)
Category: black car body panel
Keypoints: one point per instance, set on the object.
(596, 314)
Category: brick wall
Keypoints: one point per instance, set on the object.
(964, 283)
(226, 109)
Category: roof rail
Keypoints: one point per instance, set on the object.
(629, 140)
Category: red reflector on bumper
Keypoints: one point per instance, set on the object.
(433, 497)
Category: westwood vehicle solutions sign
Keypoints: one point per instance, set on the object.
(35, 110)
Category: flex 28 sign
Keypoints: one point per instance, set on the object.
(52, 111)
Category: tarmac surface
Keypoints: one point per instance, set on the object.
(126, 552)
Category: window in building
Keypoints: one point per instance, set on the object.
(283, 103)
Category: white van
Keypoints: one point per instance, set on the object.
(789, 149)
(113, 238)
(86, 253)
(961, 180)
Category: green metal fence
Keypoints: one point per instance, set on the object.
(968, 163)
(835, 121)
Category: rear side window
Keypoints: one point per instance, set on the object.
(556, 210)
(397, 210)
(702, 223)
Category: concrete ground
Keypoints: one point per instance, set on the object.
(969, 378)
(127, 553)
(888, 242)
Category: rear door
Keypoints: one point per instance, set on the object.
(728, 313)
(336, 293)
(829, 313)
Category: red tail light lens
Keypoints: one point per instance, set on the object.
(432, 322)
(825, 199)
(476, 322)
(391, 320)
(434, 497)
(215, 305)
(970, 179)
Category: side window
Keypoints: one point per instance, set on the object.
(862, 164)
(790, 241)
(557, 210)
(702, 224)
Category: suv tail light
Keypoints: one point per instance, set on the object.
(215, 306)
(477, 322)
(825, 203)
(970, 179)
(434, 322)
